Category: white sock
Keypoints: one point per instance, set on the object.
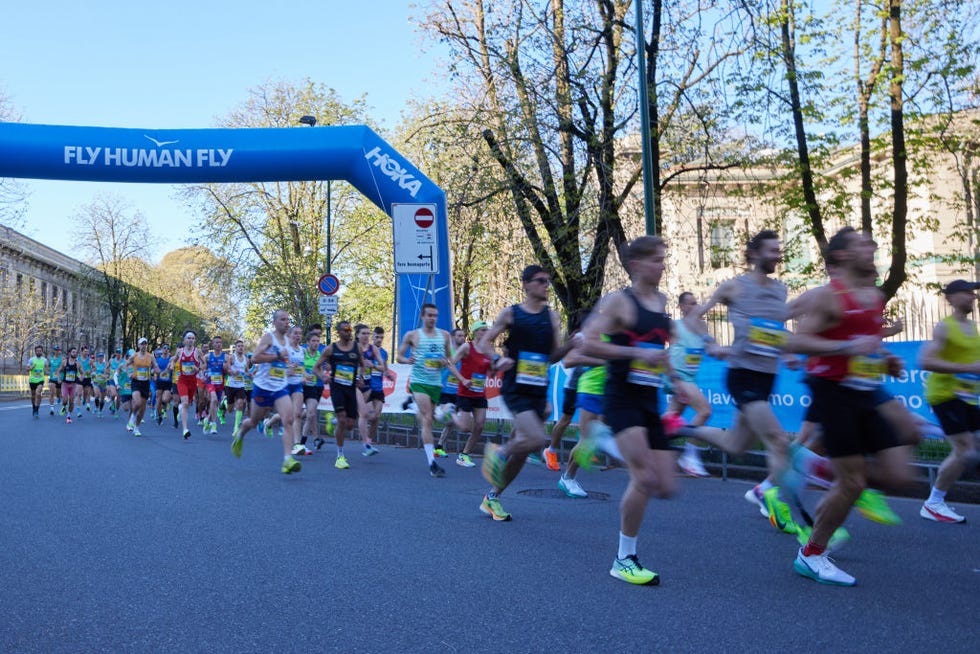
(765, 485)
(627, 545)
(430, 452)
(936, 496)
(340, 452)
(691, 451)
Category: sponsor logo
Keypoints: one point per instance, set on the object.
(84, 155)
(394, 170)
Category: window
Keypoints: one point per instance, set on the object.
(721, 243)
(44, 294)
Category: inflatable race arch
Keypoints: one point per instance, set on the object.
(355, 154)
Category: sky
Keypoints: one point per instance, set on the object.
(184, 64)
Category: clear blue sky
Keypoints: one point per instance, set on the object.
(183, 64)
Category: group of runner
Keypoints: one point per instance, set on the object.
(626, 353)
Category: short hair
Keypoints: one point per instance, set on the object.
(236, 342)
(312, 331)
(641, 247)
(756, 242)
(190, 332)
(275, 314)
(379, 330)
(682, 296)
(837, 244)
(359, 326)
(530, 271)
(317, 326)
(429, 305)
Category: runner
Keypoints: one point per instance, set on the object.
(312, 388)
(476, 366)
(54, 380)
(953, 356)
(100, 378)
(124, 382)
(112, 389)
(235, 386)
(270, 390)
(589, 400)
(842, 333)
(430, 348)
(217, 368)
(447, 398)
(143, 366)
(533, 342)
(367, 396)
(757, 310)
(344, 358)
(68, 374)
(638, 329)
(85, 378)
(165, 384)
(188, 362)
(37, 366)
(294, 384)
(376, 398)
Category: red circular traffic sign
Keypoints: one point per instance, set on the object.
(424, 217)
(328, 284)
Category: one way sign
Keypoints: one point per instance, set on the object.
(415, 241)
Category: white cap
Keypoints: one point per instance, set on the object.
(141, 341)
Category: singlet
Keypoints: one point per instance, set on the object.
(758, 314)
(71, 372)
(632, 377)
(272, 376)
(84, 368)
(474, 366)
(686, 352)
(236, 377)
(529, 344)
(36, 370)
(309, 361)
(429, 353)
(162, 363)
(960, 347)
(55, 364)
(186, 364)
(294, 370)
(592, 381)
(99, 373)
(343, 364)
(377, 376)
(216, 369)
(142, 366)
(123, 380)
(861, 373)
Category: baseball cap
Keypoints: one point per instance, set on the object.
(100, 354)
(960, 285)
(118, 349)
(479, 324)
(141, 341)
(57, 347)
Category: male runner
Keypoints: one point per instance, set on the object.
(165, 384)
(312, 388)
(476, 366)
(345, 361)
(953, 356)
(686, 351)
(235, 386)
(100, 378)
(188, 362)
(367, 396)
(37, 365)
(447, 398)
(85, 379)
(294, 384)
(68, 373)
(430, 348)
(217, 368)
(54, 380)
(144, 366)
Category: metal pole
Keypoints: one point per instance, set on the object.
(648, 210)
(328, 226)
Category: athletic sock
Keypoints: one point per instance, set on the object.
(627, 545)
(810, 549)
(430, 450)
(936, 496)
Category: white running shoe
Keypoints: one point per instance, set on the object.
(820, 568)
(444, 410)
(754, 496)
(940, 512)
(692, 466)
(571, 487)
(299, 448)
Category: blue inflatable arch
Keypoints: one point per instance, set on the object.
(355, 154)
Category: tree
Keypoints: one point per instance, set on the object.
(27, 318)
(12, 193)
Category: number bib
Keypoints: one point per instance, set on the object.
(69, 375)
(478, 382)
(433, 361)
(642, 373)
(142, 374)
(238, 378)
(187, 368)
(344, 375)
(692, 359)
(967, 387)
(277, 372)
(766, 337)
(864, 372)
(217, 379)
(532, 369)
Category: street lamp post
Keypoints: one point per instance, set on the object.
(311, 121)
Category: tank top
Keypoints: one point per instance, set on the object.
(960, 347)
(633, 377)
(84, 368)
(55, 364)
(162, 363)
(272, 376)
(186, 364)
(474, 366)
(142, 365)
(529, 344)
(686, 352)
(71, 372)
(860, 373)
(592, 381)
(124, 380)
(294, 369)
(758, 315)
(216, 369)
(99, 372)
(309, 360)
(343, 364)
(427, 368)
(236, 376)
(377, 376)
(36, 370)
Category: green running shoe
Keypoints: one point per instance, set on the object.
(290, 465)
(588, 445)
(493, 465)
(779, 512)
(837, 540)
(236, 446)
(341, 463)
(630, 570)
(492, 507)
(873, 506)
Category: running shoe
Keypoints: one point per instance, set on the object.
(493, 465)
(535, 459)
(298, 449)
(630, 570)
(440, 453)
(590, 444)
(492, 507)
(62, 411)
(940, 512)
(236, 445)
(571, 487)
(68, 420)
(129, 426)
(318, 443)
(754, 496)
(464, 461)
(214, 429)
(187, 434)
(820, 568)
(136, 431)
(691, 466)
(440, 412)
(341, 463)
(837, 540)
(780, 515)
(160, 418)
(436, 470)
(369, 450)
(51, 411)
(672, 423)
(88, 407)
(291, 465)
(873, 506)
(551, 459)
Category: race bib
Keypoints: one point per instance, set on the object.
(642, 373)
(69, 375)
(967, 387)
(767, 338)
(238, 378)
(864, 372)
(187, 368)
(217, 379)
(142, 374)
(478, 382)
(344, 375)
(532, 369)
(433, 361)
(276, 372)
(692, 359)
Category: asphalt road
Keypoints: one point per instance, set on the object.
(112, 543)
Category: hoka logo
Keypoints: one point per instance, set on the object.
(394, 170)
